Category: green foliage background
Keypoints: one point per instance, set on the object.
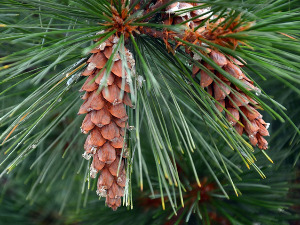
(44, 179)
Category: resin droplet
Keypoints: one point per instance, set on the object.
(257, 91)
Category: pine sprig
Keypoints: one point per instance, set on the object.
(51, 41)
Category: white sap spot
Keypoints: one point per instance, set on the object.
(130, 58)
(93, 149)
(82, 130)
(174, 8)
(86, 156)
(130, 128)
(101, 192)
(116, 57)
(115, 40)
(140, 81)
(93, 172)
(100, 32)
(117, 101)
(202, 11)
(197, 57)
(119, 180)
(102, 46)
(91, 66)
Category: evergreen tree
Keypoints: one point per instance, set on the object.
(183, 111)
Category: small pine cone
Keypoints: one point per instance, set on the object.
(233, 99)
(105, 120)
(228, 95)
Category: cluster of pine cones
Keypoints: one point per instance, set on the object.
(105, 110)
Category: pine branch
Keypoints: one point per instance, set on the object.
(177, 121)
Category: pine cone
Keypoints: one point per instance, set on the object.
(233, 99)
(228, 95)
(105, 120)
